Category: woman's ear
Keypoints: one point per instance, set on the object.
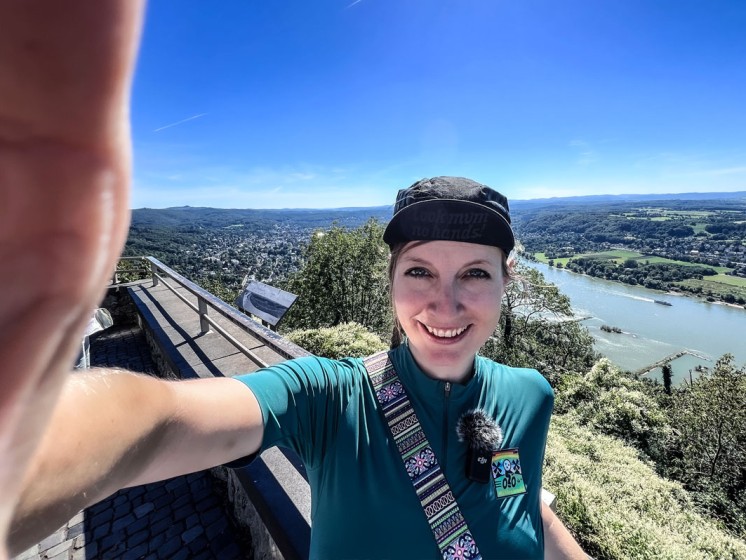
(511, 263)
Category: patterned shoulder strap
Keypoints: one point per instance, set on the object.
(437, 500)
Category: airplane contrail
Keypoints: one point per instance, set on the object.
(185, 120)
(351, 5)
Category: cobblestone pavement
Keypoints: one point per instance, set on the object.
(181, 518)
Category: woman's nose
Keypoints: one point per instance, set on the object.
(445, 299)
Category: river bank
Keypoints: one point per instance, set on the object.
(702, 282)
(652, 332)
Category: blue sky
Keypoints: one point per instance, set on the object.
(286, 104)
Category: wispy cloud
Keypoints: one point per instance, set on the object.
(301, 186)
(586, 154)
(725, 171)
(183, 120)
(351, 5)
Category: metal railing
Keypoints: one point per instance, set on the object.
(161, 274)
(275, 483)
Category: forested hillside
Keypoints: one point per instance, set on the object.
(696, 247)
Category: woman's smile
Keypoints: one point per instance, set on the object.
(445, 335)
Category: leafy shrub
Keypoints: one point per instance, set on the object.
(348, 340)
(616, 404)
(618, 508)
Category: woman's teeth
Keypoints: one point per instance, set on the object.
(445, 333)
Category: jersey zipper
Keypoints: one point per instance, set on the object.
(447, 396)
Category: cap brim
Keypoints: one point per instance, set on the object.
(450, 220)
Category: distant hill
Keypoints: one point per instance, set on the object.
(221, 217)
(215, 217)
(354, 216)
(627, 198)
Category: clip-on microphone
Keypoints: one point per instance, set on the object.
(483, 436)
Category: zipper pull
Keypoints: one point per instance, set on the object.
(448, 389)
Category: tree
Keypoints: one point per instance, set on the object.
(218, 286)
(667, 372)
(344, 279)
(708, 450)
(538, 329)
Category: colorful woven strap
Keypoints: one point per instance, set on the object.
(440, 507)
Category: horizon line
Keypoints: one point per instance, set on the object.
(716, 195)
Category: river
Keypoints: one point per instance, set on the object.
(651, 331)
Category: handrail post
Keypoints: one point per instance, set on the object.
(154, 272)
(203, 324)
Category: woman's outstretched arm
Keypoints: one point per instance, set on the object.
(114, 429)
(559, 544)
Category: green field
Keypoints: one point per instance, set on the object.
(716, 288)
(668, 214)
(542, 258)
(699, 227)
(730, 280)
(652, 260)
(620, 255)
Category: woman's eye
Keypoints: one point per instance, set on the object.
(477, 273)
(417, 272)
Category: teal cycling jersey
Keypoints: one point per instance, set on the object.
(363, 503)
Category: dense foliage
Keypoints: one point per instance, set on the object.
(619, 508)
(347, 340)
(617, 404)
(708, 448)
(696, 435)
(344, 279)
(538, 329)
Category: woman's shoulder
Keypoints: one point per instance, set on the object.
(514, 379)
(320, 367)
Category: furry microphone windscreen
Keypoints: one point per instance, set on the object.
(479, 431)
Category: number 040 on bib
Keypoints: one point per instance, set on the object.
(506, 473)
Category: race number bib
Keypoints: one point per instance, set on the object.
(506, 473)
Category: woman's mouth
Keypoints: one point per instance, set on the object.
(451, 334)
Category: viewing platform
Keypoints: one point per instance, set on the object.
(171, 328)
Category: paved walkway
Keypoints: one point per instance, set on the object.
(181, 518)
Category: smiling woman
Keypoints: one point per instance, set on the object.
(428, 442)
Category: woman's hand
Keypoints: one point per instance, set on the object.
(64, 181)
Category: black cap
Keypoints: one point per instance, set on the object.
(451, 209)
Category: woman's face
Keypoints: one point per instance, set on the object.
(447, 299)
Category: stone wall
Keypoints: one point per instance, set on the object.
(245, 515)
(119, 303)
